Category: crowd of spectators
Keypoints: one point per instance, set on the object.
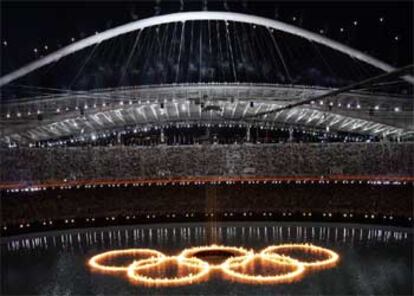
(32, 165)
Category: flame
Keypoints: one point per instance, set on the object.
(238, 267)
(95, 261)
(231, 264)
(330, 261)
(202, 274)
(192, 252)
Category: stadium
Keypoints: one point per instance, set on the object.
(232, 147)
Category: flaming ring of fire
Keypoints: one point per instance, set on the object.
(237, 251)
(201, 275)
(95, 261)
(230, 264)
(241, 258)
(331, 257)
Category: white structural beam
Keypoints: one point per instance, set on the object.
(195, 16)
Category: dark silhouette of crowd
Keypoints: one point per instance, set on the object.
(356, 199)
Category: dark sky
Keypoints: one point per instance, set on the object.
(33, 24)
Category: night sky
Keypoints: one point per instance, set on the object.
(384, 29)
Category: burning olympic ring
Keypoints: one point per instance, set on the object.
(95, 261)
(201, 275)
(237, 251)
(295, 274)
(331, 256)
(235, 268)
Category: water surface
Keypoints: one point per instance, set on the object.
(374, 260)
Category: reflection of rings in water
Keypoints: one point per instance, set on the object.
(202, 274)
(96, 261)
(214, 251)
(331, 257)
(229, 266)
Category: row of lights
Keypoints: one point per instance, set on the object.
(219, 182)
(84, 107)
(183, 108)
(57, 110)
(353, 106)
(95, 137)
(212, 214)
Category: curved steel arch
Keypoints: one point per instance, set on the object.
(195, 16)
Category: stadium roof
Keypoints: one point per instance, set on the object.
(63, 113)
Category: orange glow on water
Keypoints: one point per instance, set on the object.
(244, 266)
